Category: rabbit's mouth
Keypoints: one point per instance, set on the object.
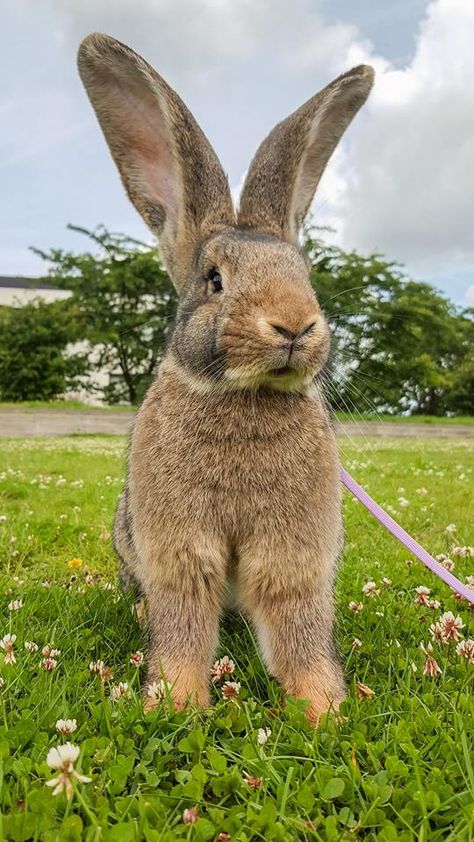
(279, 372)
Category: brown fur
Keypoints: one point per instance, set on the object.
(233, 468)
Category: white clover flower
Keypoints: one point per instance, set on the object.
(433, 603)
(466, 650)
(356, 607)
(447, 628)
(15, 605)
(263, 736)
(431, 667)
(370, 589)
(422, 595)
(190, 815)
(462, 552)
(136, 659)
(157, 690)
(66, 726)
(7, 643)
(49, 651)
(31, 646)
(403, 502)
(63, 758)
(118, 691)
(448, 563)
(224, 666)
(363, 691)
(356, 644)
(450, 528)
(108, 586)
(230, 689)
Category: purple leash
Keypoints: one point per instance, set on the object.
(413, 546)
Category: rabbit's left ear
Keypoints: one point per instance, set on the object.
(289, 163)
(168, 167)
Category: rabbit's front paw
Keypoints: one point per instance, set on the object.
(186, 688)
(324, 689)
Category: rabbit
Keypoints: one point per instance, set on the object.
(233, 471)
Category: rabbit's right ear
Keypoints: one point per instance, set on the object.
(168, 167)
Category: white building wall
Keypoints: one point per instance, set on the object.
(17, 297)
(14, 297)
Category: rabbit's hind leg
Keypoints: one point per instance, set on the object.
(124, 547)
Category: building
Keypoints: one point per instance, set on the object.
(14, 291)
(17, 291)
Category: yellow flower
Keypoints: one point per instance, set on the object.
(75, 562)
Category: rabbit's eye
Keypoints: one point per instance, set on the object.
(215, 280)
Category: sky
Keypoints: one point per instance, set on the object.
(401, 182)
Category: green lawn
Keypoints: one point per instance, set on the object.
(394, 766)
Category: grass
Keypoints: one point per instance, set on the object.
(397, 766)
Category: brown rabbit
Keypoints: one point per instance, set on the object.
(233, 470)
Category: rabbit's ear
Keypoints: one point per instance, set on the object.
(289, 163)
(169, 169)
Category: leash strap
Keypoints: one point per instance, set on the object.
(413, 546)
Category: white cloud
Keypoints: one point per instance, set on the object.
(402, 180)
(185, 35)
(406, 180)
(470, 296)
(51, 115)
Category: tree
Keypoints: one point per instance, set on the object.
(460, 397)
(399, 346)
(34, 364)
(126, 303)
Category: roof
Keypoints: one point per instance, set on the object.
(11, 282)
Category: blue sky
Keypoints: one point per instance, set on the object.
(402, 181)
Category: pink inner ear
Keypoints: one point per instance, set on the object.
(164, 181)
(141, 140)
(155, 178)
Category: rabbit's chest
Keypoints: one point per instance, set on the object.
(228, 465)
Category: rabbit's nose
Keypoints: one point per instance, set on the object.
(292, 334)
